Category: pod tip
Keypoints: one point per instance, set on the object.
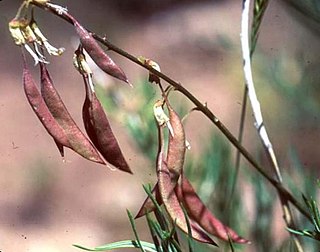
(129, 83)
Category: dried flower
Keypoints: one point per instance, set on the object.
(41, 39)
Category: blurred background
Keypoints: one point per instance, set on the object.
(48, 205)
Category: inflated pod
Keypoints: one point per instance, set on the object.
(197, 210)
(176, 145)
(98, 55)
(99, 130)
(170, 199)
(41, 110)
(78, 141)
(175, 154)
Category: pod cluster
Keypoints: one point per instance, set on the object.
(99, 144)
(174, 190)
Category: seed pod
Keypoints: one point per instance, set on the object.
(78, 141)
(170, 200)
(175, 154)
(98, 55)
(41, 110)
(99, 131)
(202, 215)
(147, 205)
(176, 145)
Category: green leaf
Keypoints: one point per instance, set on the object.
(154, 232)
(190, 240)
(259, 9)
(158, 212)
(135, 231)
(301, 232)
(146, 246)
(315, 214)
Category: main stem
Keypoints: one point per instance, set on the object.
(202, 107)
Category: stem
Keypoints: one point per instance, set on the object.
(200, 106)
(240, 137)
(21, 8)
(259, 124)
(287, 214)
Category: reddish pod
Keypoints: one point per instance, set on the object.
(201, 214)
(176, 145)
(99, 130)
(147, 205)
(41, 110)
(98, 55)
(78, 141)
(175, 157)
(170, 199)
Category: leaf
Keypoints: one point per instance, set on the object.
(121, 244)
(99, 130)
(135, 231)
(170, 200)
(153, 232)
(190, 241)
(202, 215)
(259, 9)
(78, 141)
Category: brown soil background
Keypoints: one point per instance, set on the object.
(47, 205)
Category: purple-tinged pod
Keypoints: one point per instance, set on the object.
(170, 199)
(99, 130)
(175, 154)
(197, 210)
(98, 55)
(78, 141)
(148, 206)
(176, 145)
(41, 110)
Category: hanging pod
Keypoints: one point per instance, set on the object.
(176, 145)
(197, 210)
(99, 130)
(170, 199)
(77, 140)
(41, 110)
(175, 154)
(98, 55)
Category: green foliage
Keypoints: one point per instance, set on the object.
(264, 205)
(259, 9)
(147, 247)
(314, 210)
